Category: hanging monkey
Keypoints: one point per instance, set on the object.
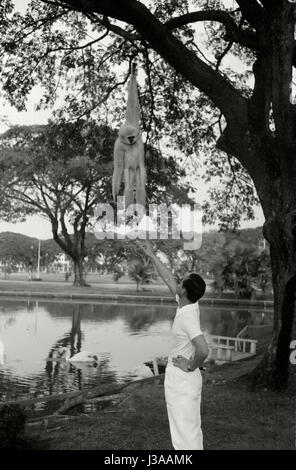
(129, 165)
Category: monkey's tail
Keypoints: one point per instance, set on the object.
(133, 106)
(134, 68)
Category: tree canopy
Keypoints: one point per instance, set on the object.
(81, 62)
(62, 171)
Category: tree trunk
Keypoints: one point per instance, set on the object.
(79, 275)
(235, 285)
(273, 371)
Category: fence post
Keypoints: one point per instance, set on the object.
(253, 347)
(155, 366)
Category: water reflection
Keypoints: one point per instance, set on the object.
(62, 372)
(121, 335)
(139, 320)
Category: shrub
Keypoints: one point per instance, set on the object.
(12, 427)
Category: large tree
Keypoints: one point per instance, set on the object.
(62, 171)
(257, 123)
(58, 173)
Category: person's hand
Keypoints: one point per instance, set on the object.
(181, 362)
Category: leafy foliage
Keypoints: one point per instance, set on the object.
(80, 59)
(243, 265)
(140, 271)
(63, 170)
(118, 272)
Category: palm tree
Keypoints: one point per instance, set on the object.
(140, 271)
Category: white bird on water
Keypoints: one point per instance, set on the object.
(142, 372)
(83, 356)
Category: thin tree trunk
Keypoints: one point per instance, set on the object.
(236, 289)
(79, 276)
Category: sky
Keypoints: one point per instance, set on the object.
(38, 226)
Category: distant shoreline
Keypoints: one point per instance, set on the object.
(139, 297)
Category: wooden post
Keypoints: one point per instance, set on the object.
(253, 347)
(210, 356)
(155, 366)
(219, 354)
(228, 356)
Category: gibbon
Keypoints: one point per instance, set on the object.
(129, 164)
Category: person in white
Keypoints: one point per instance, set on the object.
(183, 379)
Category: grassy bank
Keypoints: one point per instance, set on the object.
(97, 284)
(233, 417)
(104, 286)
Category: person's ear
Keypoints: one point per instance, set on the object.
(183, 291)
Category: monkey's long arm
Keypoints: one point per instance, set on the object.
(141, 179)
(133, 107)
(118, 169)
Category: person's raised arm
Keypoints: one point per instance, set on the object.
(162, 270)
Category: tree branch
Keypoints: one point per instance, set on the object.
(22, 196)
(76, 48)
(105, 97)
(65, 231)
(44, 195)
(116, 29)
(57, 238)
(184, 61)
(235, 34)
(251, 11)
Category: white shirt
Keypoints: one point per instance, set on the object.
(186, 326)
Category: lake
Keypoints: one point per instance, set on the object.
(121, 335)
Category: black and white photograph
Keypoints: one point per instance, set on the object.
(147, 228)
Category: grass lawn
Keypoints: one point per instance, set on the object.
(99, 284)
(233, 417)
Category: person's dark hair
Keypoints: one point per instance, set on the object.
(195, 287)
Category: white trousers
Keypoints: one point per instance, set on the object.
(183, 397)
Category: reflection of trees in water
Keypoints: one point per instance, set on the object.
(7, 322)
(210, 319)
(138, 317)
(31, 305)
(225, 322)
(230, 323)
(71, 340)
(15, 304)
(139, 320)
(12, 387)
(61, 374)
(101, 312)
